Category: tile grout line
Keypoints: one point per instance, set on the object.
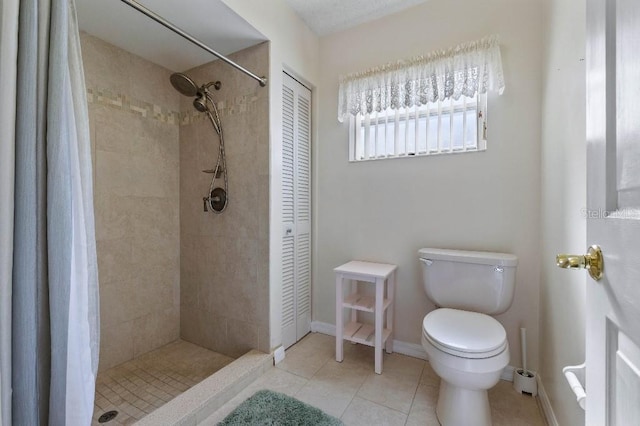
(415, 393)
(387, 407)
(354, 395)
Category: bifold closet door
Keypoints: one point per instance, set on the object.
(296, 211)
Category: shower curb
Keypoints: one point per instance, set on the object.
(202, 400)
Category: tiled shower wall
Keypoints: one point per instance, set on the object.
(134, 115)
(225, 258)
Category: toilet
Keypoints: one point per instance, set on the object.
(466, 347)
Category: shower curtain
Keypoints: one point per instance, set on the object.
(8, 55)
(47, 185)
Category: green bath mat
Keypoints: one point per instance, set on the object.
(266, 408)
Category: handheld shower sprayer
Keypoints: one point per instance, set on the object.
(200, 103)
(203, 102)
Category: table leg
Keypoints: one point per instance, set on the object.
(339, 320)
(378, 318)
(391, 284)
(354, 289)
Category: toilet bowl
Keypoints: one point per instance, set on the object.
(468, 351)
(466, 347)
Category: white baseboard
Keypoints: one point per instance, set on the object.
(323, 328)
(545, 403)
(410, 349)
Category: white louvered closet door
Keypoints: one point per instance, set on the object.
(296, 211)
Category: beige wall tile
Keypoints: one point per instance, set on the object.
(215, 331)
(116, 344)
(263, 207)
(224, 280)
(114, 260)
(116, 130)
(264, 343)
(263, 281)
(155, 329)
(151, 83)
(111, 223)
(105, 65)
(241, 337)
(136, 175)
(148, 175)
(191, 328)
(136, 199)
(119, 302)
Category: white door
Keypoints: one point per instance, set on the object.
(296, 211)
(613, 203)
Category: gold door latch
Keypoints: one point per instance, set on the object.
(592, 262)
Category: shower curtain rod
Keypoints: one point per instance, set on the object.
(160, 20)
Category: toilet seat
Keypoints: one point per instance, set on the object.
(464, 334)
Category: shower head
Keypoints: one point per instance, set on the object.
(200, 103)
(184, 84)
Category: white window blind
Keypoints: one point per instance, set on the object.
(432, 104)
(445, 127)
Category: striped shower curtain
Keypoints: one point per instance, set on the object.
(49, 334)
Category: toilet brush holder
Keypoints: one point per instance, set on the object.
(525, 382)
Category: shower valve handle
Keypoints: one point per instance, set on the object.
(204, 201)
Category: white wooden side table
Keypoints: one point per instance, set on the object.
(384, 277)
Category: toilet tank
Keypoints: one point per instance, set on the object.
(475, 281)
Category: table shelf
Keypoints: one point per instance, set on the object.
(363, 303)
(363, 333)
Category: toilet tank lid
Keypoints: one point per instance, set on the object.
(480, 257)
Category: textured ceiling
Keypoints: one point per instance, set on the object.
(211, 21)
(330, 16)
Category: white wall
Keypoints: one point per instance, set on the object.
(387, 210)
(562, 295)
(295, 48)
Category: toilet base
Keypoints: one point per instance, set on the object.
(462, 407)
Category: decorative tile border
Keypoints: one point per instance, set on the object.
(238, 105)
(135, 106)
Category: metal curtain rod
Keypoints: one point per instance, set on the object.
(160, 20)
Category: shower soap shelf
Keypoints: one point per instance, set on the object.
(212, 171)
(383, 276)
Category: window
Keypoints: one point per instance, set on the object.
(441, 127)
(430, 104)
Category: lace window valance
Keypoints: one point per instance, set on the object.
(466, 70)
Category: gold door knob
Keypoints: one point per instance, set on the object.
(592, 262)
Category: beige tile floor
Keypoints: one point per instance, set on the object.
(137, 387)
(404, 394)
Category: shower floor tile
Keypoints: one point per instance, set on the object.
(137, 387)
